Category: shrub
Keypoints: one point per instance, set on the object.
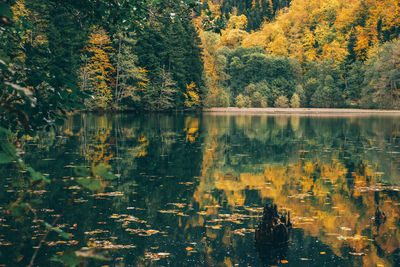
(242, 101)
(295, 101)
(256, 100)
(282, 102)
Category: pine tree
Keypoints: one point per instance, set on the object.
(128, 74)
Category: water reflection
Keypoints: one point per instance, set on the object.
(191, 189)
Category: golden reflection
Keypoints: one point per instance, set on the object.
(96, 144)
(326, 198)
(191, 128)
(323, 201)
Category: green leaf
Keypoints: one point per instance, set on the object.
(103, 170)
(4, 158)
(63, 234)
(18, 209)
(82, 171)
(68, 258)
(36, 176)
(94, 253)
(5, 11)
(4, 132)
(8, 148)
(91, 184)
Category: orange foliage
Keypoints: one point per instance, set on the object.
(319, 29)
(100, 69)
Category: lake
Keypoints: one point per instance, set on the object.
(190, 190)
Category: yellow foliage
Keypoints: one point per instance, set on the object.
(237, 22)
(33, 37)
(192, 97)
(191, 129)
(319, 29)
(234, 34)
(99, 67)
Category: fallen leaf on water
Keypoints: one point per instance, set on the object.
(107, 244)
(243, 231)
(179, 205)
(97, 231)
(168, 211)
(156, 256)
(356, 253)
(143, 232)
(109, 194)
(164, 254)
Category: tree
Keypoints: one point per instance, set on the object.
(129, 77)
(295, 101)
(282, 102)
(99, 67)
(257, 100)
(234, 34)
(242, 101)
(161, 95)
(192, 98)
(382, 77)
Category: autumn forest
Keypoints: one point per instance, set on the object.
(114, 152)
(168, 55)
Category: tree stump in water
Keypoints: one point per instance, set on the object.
(273, 228)
(379, 219)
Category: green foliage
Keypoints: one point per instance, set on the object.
(295, 101)
(60, 232)
(242, 101)
(281, 102)
(171, 45)
(277, 75)
(162, 94)
(256, 11)
(219, 99)
(382, 77)
(92, 178)
(128, 74)
(257, 100)
(78, 258)
(324, 86)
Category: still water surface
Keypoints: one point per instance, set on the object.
(190, 189)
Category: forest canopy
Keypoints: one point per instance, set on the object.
(168, 55)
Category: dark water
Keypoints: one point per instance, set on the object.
(190, 190)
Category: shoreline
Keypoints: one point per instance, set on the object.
(298, 111)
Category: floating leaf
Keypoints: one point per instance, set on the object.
(68, 258)
(91, 184)
(109, 194)
(356, 253)
(103, 170)
(81, 171)
(60, 232)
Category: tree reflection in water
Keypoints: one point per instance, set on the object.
(191, 189)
